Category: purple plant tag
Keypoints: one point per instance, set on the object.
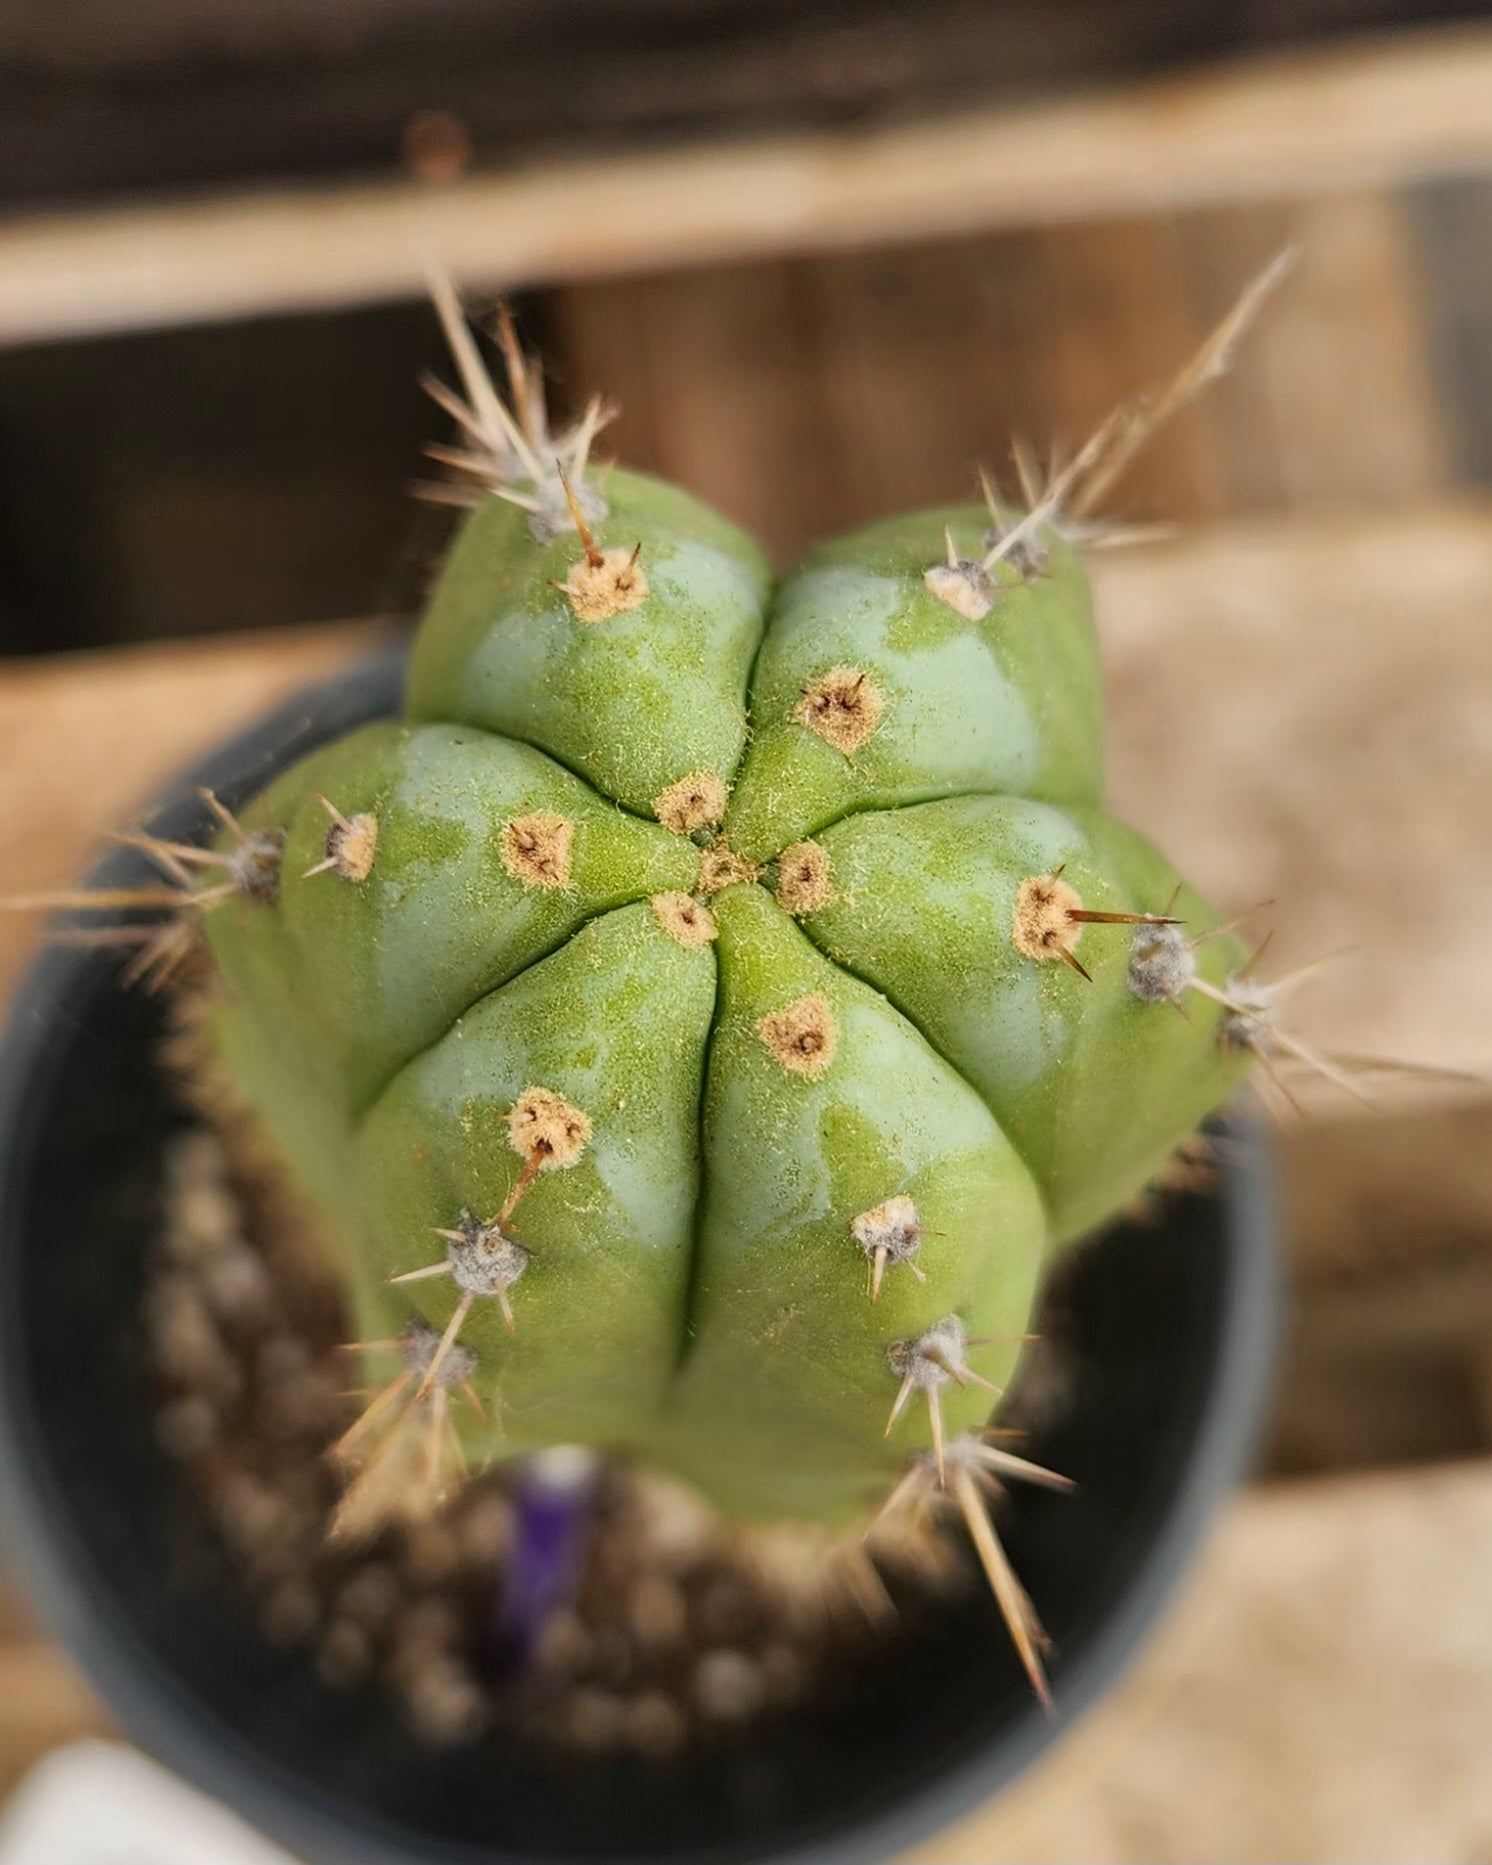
(554, 1505)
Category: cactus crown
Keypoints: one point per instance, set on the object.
(702, 1014)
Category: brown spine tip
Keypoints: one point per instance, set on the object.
(578, 519)
(545, 1123)
(606, 584)
(686, 920)
(695, 802)
(721, 867)
(805, 877)
(1015, 1605)
(536, 849)
(802, 1035)
(976, 1472)
(843, 706)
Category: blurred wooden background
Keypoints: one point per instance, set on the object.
(250, 474)
(102, 99)
(208, 410)
(828, 259)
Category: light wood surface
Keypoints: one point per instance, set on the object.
(1323, 1693)
(1301, 713)
(1375, 112)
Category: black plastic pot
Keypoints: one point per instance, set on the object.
(1171, 1327)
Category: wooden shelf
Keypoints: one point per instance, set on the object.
(1365, 114)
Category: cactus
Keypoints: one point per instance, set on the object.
(702, 1015)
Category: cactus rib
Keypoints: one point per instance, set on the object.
(720, 939)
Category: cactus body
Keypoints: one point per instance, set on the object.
(767, 900)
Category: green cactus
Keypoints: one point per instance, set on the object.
(701, 1016)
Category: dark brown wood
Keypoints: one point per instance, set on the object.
(98, 99)
(1450, 222)
(808, 394)
(214, 479)
(1389, 1352)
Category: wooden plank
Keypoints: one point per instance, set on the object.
(1296, 422)
(908, 359)
(1346, 369)
(1378, 1206)
(1349, 117)
(802, 397)
(1323, 1693)
(703, 364)
(1121, 317)
(1388, 1357)
(805, 395)
(173, 95)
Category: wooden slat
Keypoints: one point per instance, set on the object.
(808, 394)
(1336, 397)
(1370, 113)
(1388, 1357)
(1449, 220)
(127, 100)
(1122, 315)
(706, 373)
(801, 397)
(1342, 363)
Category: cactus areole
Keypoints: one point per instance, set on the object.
(700, 1017)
